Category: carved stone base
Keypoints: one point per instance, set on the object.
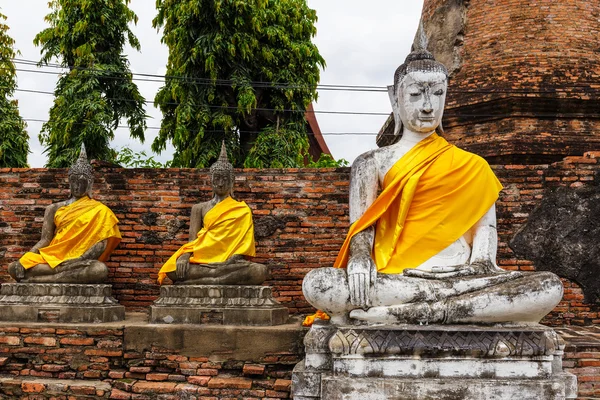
(215, 304)
(432, 362)
(60, 302)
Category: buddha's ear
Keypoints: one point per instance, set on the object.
(395, 110)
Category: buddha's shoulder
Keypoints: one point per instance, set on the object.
(472, 157)
(376, 157)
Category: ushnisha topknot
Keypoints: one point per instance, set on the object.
(419, 60)
(222, 164)
(82, 166)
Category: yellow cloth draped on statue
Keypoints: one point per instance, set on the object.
(431, 197)
(227, 230)
(79, 226)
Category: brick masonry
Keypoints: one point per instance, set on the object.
(526, 90)
(84, 362)
(303, 215)
(303, 219)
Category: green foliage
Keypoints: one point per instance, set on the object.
(88, 36)
(326, 161)
(222, 54)
(13, 136)
(279, 147)
(130, 159)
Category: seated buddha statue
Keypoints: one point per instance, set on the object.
(78, 234)
(423, 240)
(221, 235)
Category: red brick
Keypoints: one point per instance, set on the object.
(41, 340)
(253, 369)
(157, 377)
(10, 340)
(198, 380)
(77, 341)
(282, 385)
(154, 387)
(230, 383)
(32, 387)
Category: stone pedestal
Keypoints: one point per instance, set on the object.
(59, 302)
(217, 304)
(432, 362)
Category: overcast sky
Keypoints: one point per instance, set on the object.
(362, 43)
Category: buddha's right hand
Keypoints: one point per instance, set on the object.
(182, 265)
(362, 274)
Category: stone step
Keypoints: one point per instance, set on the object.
(25, 388)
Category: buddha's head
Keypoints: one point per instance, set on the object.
(81, 176)
(418, 95)
(221, 174)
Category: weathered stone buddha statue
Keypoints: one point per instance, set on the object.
(221, 234)
(78, 234)
(423, 250)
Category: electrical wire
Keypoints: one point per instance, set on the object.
(593, 86)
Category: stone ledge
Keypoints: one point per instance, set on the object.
(17, 387)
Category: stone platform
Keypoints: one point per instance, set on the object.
(72, 303)
(432, 362)
(217, 304)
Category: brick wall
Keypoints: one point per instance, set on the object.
(306, 209)
(153, 206)
(85, 362)
(527, 88)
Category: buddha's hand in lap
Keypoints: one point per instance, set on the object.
(362, 274)
(484, 267)
(182, 265)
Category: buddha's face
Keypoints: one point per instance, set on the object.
(222, 183)
(421, 100)
(79, 185)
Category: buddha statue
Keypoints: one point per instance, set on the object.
(423, 240)
(221, 234)
(78, 234)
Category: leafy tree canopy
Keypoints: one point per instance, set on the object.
(88, 37)
(239, 70)
(13, 136)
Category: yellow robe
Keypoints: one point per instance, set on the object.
(431, 197)
(79, 226)
(227, 230)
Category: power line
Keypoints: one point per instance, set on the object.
(282, 85)
(204, 81)
(228, 107)
(222, 130)
(447, 114)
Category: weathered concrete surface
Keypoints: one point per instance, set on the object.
(445, 31)
(218, 304)
(350, 388)
(216, 341)
(561, 236)
(59, 302)
(433, 362)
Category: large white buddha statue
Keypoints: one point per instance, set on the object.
(422, 245)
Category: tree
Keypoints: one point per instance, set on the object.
(14, 145)
(88, 37)
(243, 71)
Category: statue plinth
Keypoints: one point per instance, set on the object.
(59, 302)
(217, 304)
(426, 362)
